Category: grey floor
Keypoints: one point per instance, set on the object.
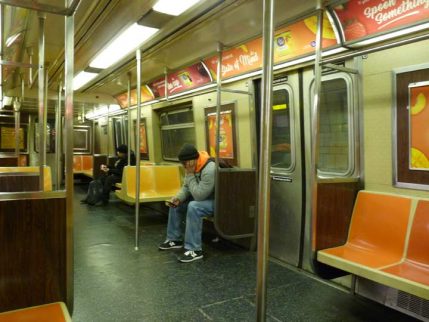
(113, 282)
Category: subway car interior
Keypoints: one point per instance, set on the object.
(309, 111)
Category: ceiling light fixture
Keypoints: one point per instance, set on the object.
(10, 40)
(82, 78)
(174, 7)
(121, 46)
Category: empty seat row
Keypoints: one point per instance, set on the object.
(388, 242)
(157, 183)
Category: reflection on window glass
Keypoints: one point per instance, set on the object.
(173, 139)
(177, 128)
(281, 131)
(334, 128)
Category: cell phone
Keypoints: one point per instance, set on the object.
(168, 203)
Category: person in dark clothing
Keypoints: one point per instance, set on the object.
(110, 176)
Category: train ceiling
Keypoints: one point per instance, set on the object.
(181, 40)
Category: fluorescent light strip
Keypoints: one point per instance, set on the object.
(82, 78)
(11, 39)
(121, 46)
(174, 7)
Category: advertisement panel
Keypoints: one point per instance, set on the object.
(292, 41)
(360, 18)
(419, 125)
(226, 135)
(146, 95)
(182, 80)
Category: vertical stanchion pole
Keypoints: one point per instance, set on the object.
(137, 205)
(166, 83)
(265, 164)
(218, 105)
(68, 138)
(108, 133)
(16, 110)
(218, 108)
(58, 138)
(41, 94)
(129, 119)
(315, 122)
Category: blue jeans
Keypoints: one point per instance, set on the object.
(194, 212)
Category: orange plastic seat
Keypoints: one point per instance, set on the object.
(87, 161)
(415, 266)
(77, 163)
(377, 232)
(54, 312)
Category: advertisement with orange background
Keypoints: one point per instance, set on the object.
(360, 18)
(226, 144)
(289, 42)
(419, 127)
(146, 95)
(299, 39)
(143, 139)
(238, 60)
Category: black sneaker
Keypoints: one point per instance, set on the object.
(190, 256)
(170, 244)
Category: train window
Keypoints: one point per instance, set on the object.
(281, 130)
(177, 128)
(336, 130)
(82, 139)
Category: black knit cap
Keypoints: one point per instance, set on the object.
(122, 148)
(188, 152)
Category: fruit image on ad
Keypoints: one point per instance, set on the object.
(327, 32)
(360, 18)
(419, 126)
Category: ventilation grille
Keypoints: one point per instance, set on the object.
(413, 304)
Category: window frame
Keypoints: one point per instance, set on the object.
(168, 127)
(291, 168)
(351, 121)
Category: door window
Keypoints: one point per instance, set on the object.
(336, 127)
(281, 151)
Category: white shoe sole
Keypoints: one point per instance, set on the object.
(191, 259)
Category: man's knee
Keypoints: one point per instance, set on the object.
(197, 208)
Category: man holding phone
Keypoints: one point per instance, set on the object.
(194, 201)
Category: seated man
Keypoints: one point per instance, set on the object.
(109, 177)
(195, 200)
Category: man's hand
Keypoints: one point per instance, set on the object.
(174, 202)
(190, 166)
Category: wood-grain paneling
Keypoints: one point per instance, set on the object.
(335, 203)
(8, 161)
(19, 183)
(237, 201)
(33, 252)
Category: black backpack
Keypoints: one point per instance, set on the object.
(223, 163)
(95, 192)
